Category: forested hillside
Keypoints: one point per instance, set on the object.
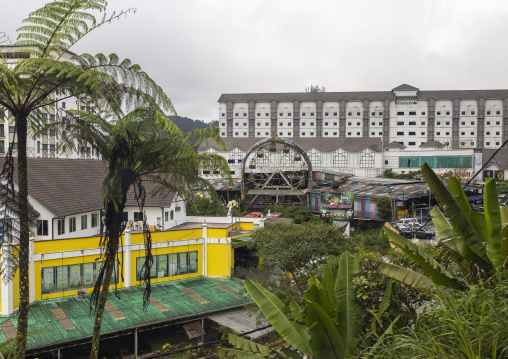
(188, 125)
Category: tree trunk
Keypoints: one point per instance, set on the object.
(113, 221)
(24, 241)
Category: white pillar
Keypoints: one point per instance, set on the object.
(127, 258)
(205, 249)
(32, 270)
(262, 221)
(6, 282)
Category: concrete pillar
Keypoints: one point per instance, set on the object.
(127, 258)
(6, 282)
(32, 270)
(262, 222)
(205, 245)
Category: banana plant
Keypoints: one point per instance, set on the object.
(477, 242)
(326, 326)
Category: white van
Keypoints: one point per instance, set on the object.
(403, 221)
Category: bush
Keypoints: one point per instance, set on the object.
(384, 206)
(204, 206)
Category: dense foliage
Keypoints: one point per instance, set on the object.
(384, 206)
(412, 175)
(299, 214)
(187, 125)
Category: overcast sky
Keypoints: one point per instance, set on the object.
(198, 49)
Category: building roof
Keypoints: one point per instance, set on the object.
(395, 144)
(324, 144)
(71, 186)
(361, 95)
(171, 301)
(501, 158)
(405, 87)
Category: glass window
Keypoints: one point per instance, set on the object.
(95, 220)
(138, 216)
(193, 262)
(75, 270)
(182, 263)
(72, 224)
(84, 221)
(166, 216)
(162, 265)
(48, 280)
(42, 227)
(173, 264)
(88, 275)
(62, 278)
(61, 226)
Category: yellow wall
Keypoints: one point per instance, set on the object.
(219, 259)
(219, 263)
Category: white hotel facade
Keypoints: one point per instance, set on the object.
(403, 124)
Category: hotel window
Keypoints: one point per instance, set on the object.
(472, 112)
(412, 113)
(380, 114)
(223, 114)
(380, 133)
(447, 112)
(487, 143)
(72, 224)
(400, 123)
(335, 133)
(400, 113)
(462, 133)
(303, 123)
(447, 123)
(463, 112)
(236, 133)
(280, 114)
(11, 129)
(373, 123)
(42, 227)
(245, 133)
(472, 132)
(349, 133)
(326, 123)
(236, 114)
(438, 133)
(289, 123)
(244, 114)
(447, 133)
(373, 114)
(358, 133)
(267, 124)
(438, 123)
(245, 124)
(335, 123)
(488, 122)
(438, 112)
(236, 124)
(84, 221)
(463, 123)
(326, 133)
(267, 114)
(349, 113)
(280, 124)
(335, 113)
(303, 133)
(497, 133)
(289, 133)
(223, 124)
(266, 133)
(312, 113)
(498, 112)
(326, 113)
(412, 133)
(358, 124)
(488, 112)
(372, 133)
(411, 143)
(412, 123)
(380, 123)
(358, 113)
(349, 123)
(312, 123)
(280, 133)
(498, 123)
(497, 143)
(95, 220)
(423, 133)
(423, 123)
(303, 113)
(423, 113)
(258, 114)
(472, 123)
(289, 113)
(400, 133)
(488, 133)
(258, 133)
(312, 133)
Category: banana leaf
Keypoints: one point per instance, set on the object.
(238, 354)
(494, 224)
(329, 285)
(407, 276)
(430, 266)
(459, 219)
(383, 306)
(247, 345)
(325, 341)
(372, 351)
(294, 333)
(346, 297)
(318, 294)
(443, 228)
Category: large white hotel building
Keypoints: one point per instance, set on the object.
(365, 132)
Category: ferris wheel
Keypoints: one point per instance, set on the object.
(274, 170)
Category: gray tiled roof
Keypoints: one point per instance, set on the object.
(405, 87)
(358, 96)
(501, 158)
(394, 144)
(71, 186)
(325, 144)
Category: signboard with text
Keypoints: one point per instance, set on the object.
(335, 205)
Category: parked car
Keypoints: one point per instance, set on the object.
(418, 231)
(403, 222)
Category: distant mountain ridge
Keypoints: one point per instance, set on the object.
(186, 124)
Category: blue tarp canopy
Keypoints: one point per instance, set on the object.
(474, 198)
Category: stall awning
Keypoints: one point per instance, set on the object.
(241, 322)
(474, 198)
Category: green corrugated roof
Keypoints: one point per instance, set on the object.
(46, 330)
